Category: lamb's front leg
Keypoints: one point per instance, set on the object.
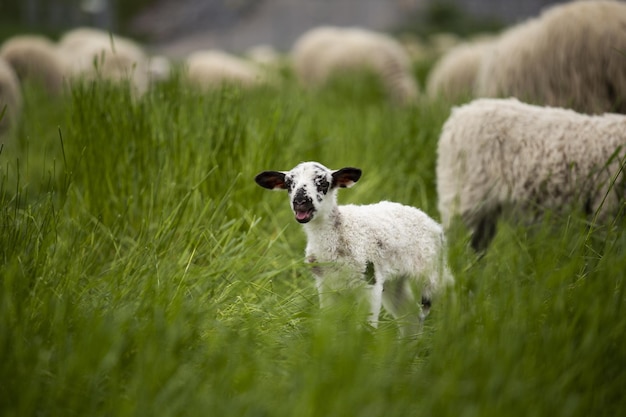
(376, 299)
(318, 274)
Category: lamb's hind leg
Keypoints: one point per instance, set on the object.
(399, 300)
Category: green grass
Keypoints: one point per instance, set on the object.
(144, 273)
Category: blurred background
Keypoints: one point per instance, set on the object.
(176, 27)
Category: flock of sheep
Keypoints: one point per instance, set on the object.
(82, 53)
(544, 128)
(564, 153)
(494, 153)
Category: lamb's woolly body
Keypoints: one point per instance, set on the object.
(10, 95)
(323, 52)
(399, 246)
(212, 68)
(454, 74)
(35, 58)
(571, 56)
(398, 240)
(495, 154)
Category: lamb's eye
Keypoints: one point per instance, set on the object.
(322, 184)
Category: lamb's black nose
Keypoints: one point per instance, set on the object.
(300, 198)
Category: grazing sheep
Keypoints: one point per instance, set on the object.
(498, 155)
(326, 51)
(306, 50)
(388, 247)
(10, 96)
(442, 42)
(212, 68)
(92, 53)
(159, 68)
(573, 56)
(264, 55)
(454, 75)
(35, 58)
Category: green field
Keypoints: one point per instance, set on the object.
(144, 273)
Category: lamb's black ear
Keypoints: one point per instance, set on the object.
(346, 177)
(272, 180)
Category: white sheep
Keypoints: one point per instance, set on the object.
(323, 52)
(572, 56)
(306, 49)
(35, 58)
(498, 155)
(91, 53)
(10, 96)
(159, 68)
(265, 55)
(389, 248)
(212, 68)
(454, 74)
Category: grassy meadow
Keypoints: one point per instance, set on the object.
(144, 273)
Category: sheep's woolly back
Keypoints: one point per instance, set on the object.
(212, 68)
(264, 55)
(572, 56)
(85, 44)
(92, 53)
(500, 153)
(10, 95)
(159, 68)
(454, 75)
(305, 52)
(326, 51)
(35, 58)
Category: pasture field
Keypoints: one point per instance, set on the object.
(144, 273)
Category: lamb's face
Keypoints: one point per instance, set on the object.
(311, 187)
(308, 185)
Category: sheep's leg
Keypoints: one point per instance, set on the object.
(399, 300)
(376, 300)
(485, 231)
(318, 273)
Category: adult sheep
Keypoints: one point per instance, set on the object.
(573, 55)
(35, 58)
(92, 53)
(498, 155)
(212, 68)
(327, 51)
(454, 74)
(10, 96)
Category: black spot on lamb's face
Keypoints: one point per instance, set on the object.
(308, 184)
(322, 184)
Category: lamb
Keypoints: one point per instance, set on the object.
(572, 56)
(502, 155)
(10, 96)
(387, 248)
(326, 51)
(36, 59)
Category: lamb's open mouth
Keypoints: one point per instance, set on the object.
(304, 214)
